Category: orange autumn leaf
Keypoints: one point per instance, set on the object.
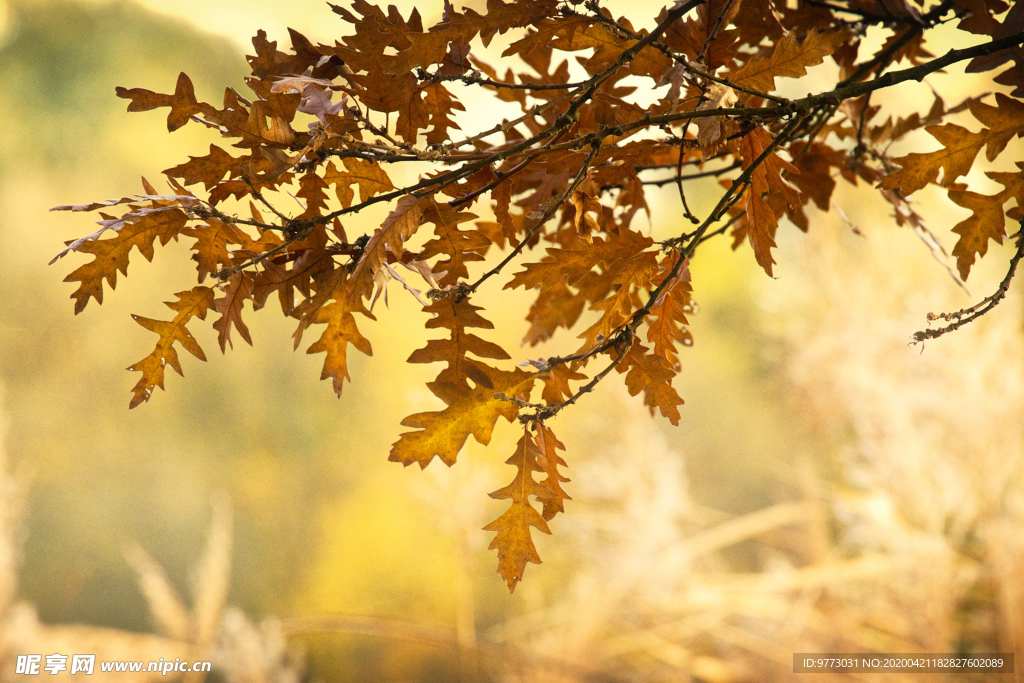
(471, 411)
(960, 146)
(333, 306)
(191, 304)
(766, 180)
(789, 58)
(669, 326)
(368, 176)
(237, 290)
(468, 386)
(652, 375)
(139, 230)
(346, 168)
(183, 102)
(513, 540)
(987, 220)
(550, 460)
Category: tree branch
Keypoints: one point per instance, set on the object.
(553, 206)
(964, 316)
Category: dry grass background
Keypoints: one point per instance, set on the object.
(244, 652)
(206, 631)
(900, 528)
(903, 528)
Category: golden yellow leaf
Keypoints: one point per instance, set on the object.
(470, 411)
(513, 540)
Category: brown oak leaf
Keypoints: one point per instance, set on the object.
(191, 304)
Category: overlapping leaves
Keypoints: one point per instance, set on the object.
(548, 199)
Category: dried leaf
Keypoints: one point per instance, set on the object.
(237, 291)
(513, 540)
(183, 102)
(470, 411)
(110, 256)
(652, 375)
(789, 58)
(334, 306)
(368, 176)
(959, 146)
(191, 304)
(987, 220)
(398, 227)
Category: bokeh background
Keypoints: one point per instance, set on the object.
(829, 488)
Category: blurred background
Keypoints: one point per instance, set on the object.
(830, 489)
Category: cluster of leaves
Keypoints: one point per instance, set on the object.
(568, 175)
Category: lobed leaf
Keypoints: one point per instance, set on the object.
(987, 220)
(960, 146)
(513, 540)
(471, 411)
(789, 58)
(336, 311)
(191, 304)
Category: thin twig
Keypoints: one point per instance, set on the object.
(964, 316)
(474, 79)
(553, 206)
(550, 410)
(210, 211)
(714, 32)
(225, 273)
(687, 214)
(624, 336)
(263, 200)
(691, 176)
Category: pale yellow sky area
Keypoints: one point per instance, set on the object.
(239, 20)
